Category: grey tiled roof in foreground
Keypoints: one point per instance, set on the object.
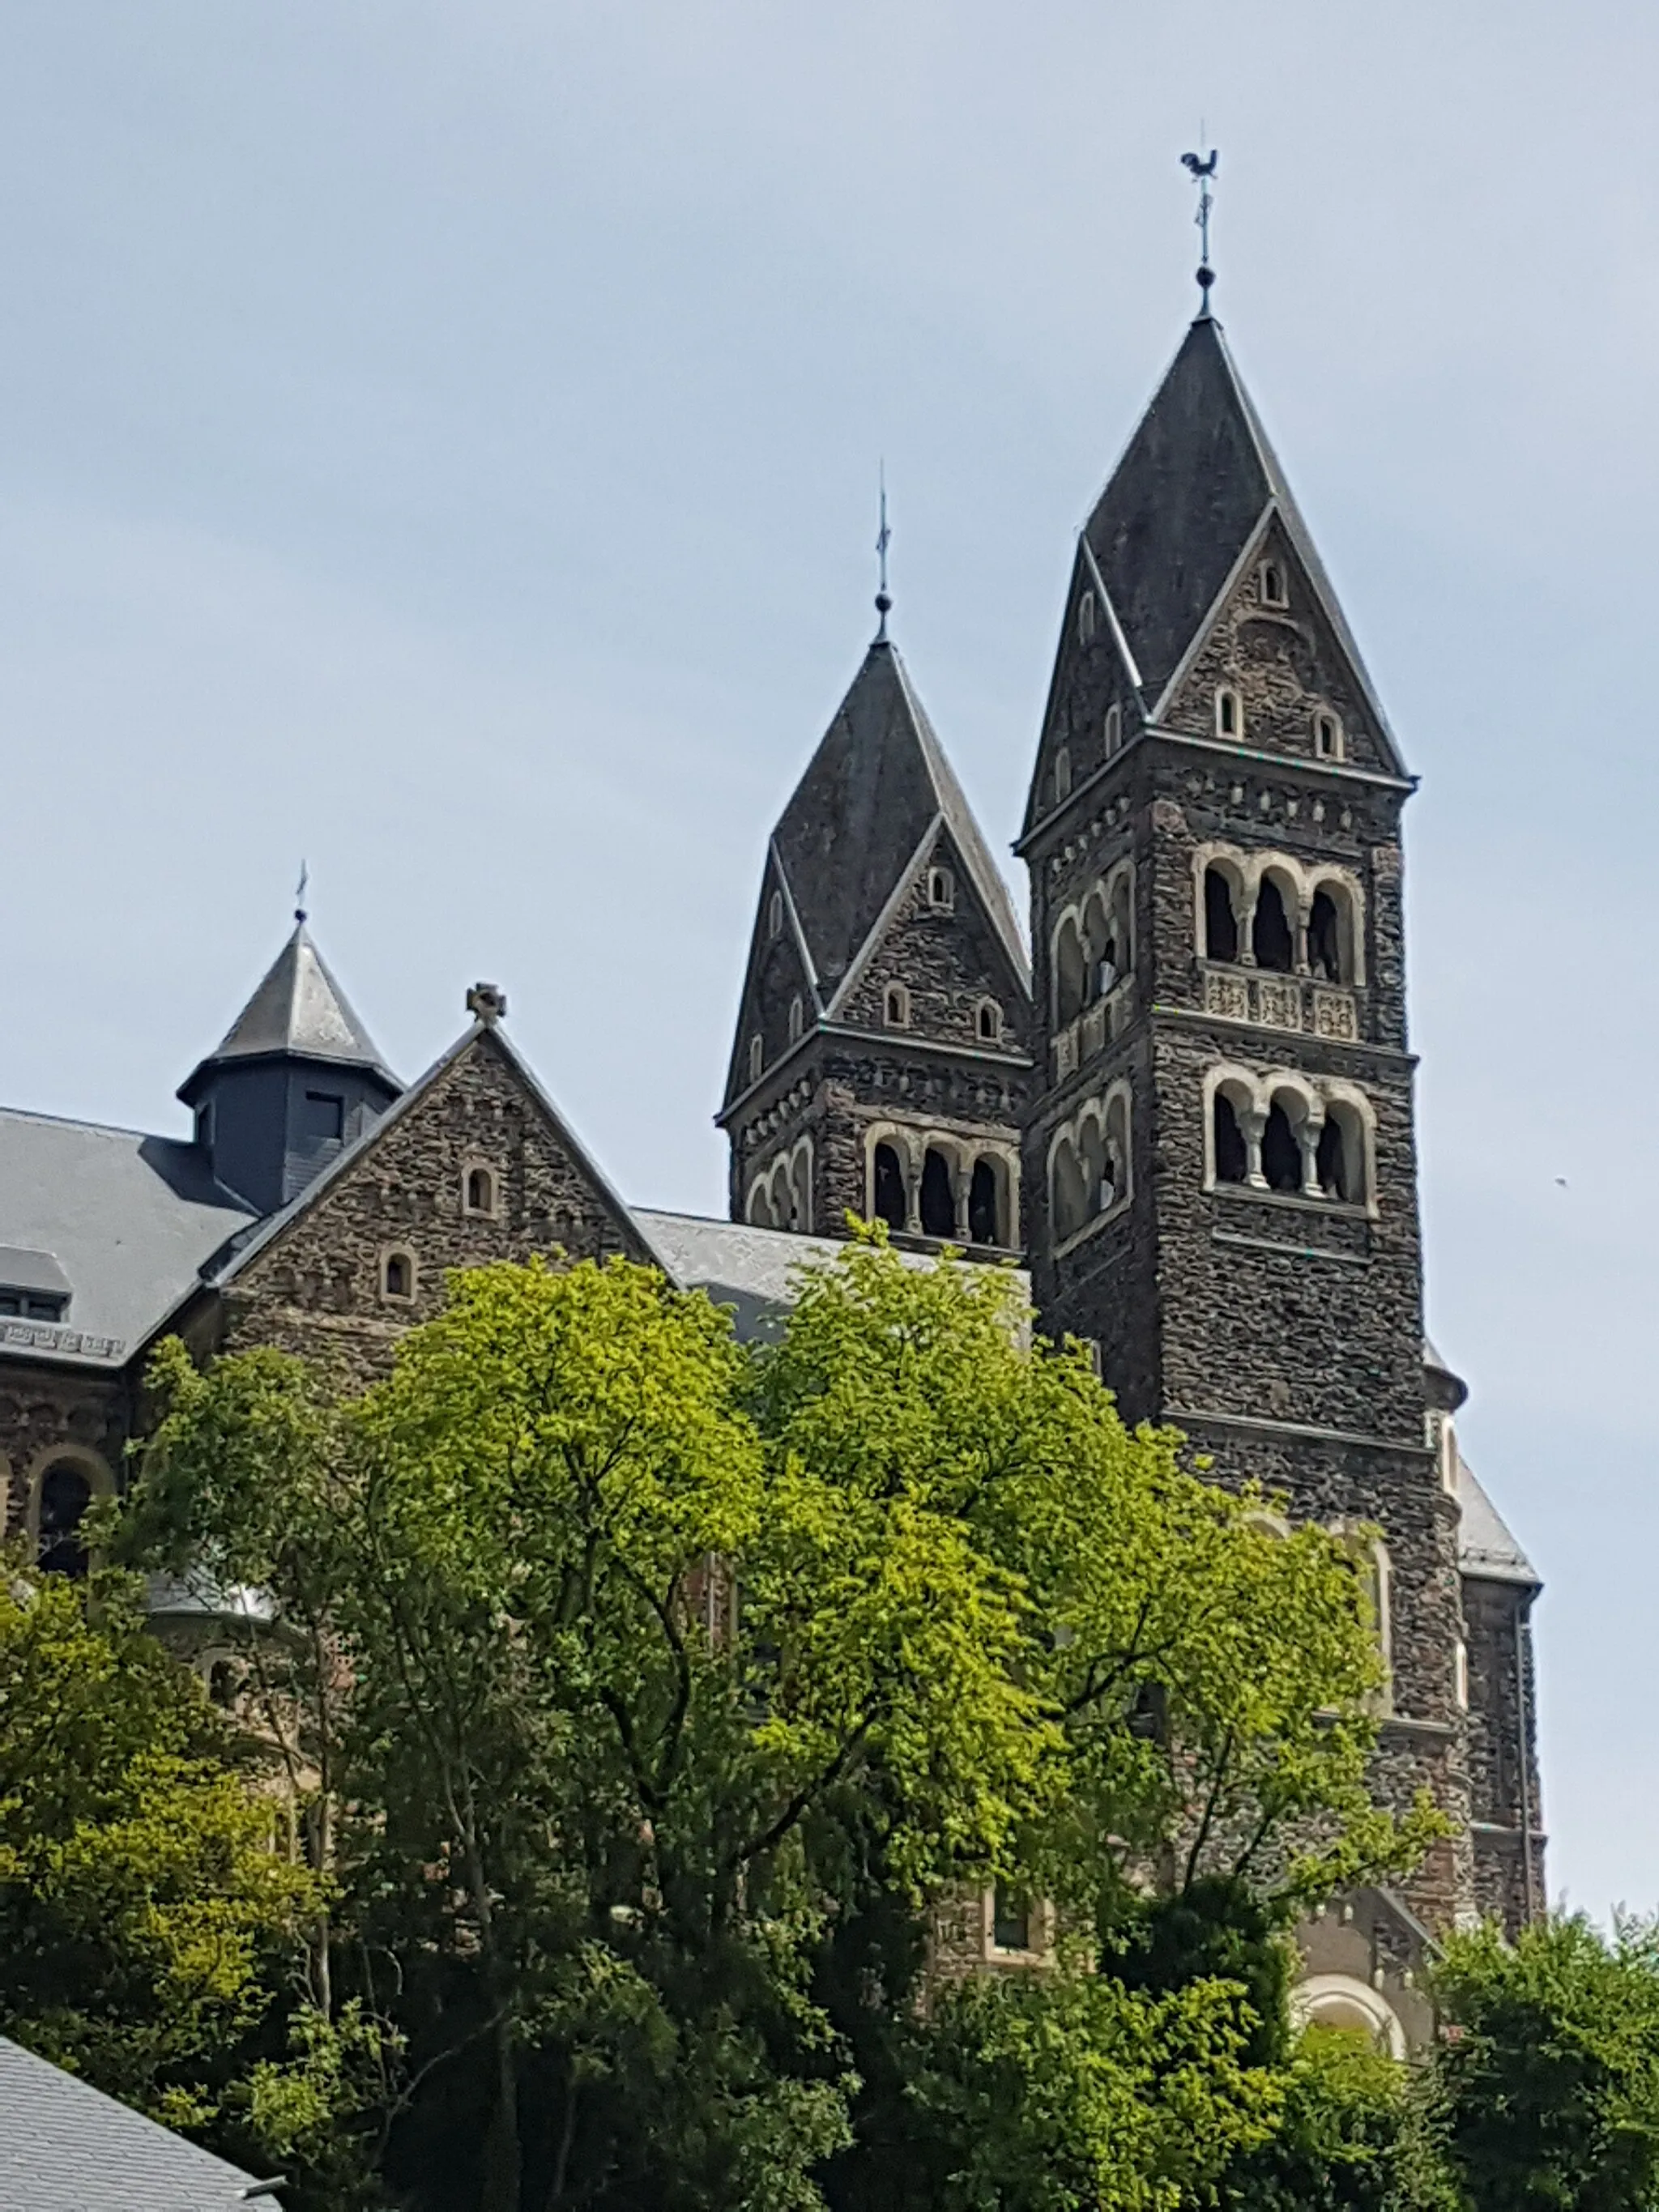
(65, 2147)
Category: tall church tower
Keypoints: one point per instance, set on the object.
(1219, 1164)
(882, 1065)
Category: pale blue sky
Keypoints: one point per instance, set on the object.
(441, 441)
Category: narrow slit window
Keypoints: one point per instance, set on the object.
(896, 1006)
(1086, 617)
(756, 1058)
(990, 1022)
(797, 1020)
(1062, 775)
(1328, 737)
(1273, 594)
(1229, 713)
(774, 914)
(480, 1191)
(1113, 728)
(941, 889)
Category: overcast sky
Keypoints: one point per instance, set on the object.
(439, 442)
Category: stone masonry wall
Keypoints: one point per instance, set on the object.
(317, 1288)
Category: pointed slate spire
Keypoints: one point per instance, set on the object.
(877, 785)
(299, 1008)
(1197, 483)
(295, 1077)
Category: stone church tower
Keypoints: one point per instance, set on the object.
(1220, 1162)
(882, 1059)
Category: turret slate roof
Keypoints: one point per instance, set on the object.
(878, 783)
(1196, 484)
(299, 1008)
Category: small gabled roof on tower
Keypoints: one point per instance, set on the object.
(1197, 483)
(298, 1010)
(878, 783)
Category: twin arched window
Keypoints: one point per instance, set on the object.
(1089, 1166)
(1288, 1141)
(945, 1194)
(1291, 924)
(781, 1196)
(1093, 947)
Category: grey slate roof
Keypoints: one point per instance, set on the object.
(1486, 1548)
(65, 2147)
(298, 1008)
(129, 1219)
(1196, 484)
(878, 783)
(743, 1266)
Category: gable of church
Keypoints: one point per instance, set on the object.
(473, 1165)
(1094, 705)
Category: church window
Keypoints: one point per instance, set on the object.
(1281, 1155)
(887, 1196)
(797, 1020)
(1331, 1164)
(756, 1058)
(938, 1198)
(1231, 1159)
(989, 1022)
(1113, 728)
(941, 888)
(1071, 973)
(1325, 933)
(1086, 617)
(1220, 922)
(774, 914)
(984, 1225)
(1461, 1674)
(1270, 932)
(1328, 737)
(478, 1192)
(1273, 594)
(1011, 1921)
(1062, 775)
(66, 1495)
(322, 1118)
(397, 1275)
(1229, 713)
(896, 1007)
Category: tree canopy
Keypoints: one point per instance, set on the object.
(655, 1709)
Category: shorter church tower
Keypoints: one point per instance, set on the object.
(882, 1064)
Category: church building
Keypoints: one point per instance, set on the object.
(1188, 1110)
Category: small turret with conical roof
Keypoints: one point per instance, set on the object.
(297, 1077)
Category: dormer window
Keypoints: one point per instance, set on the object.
(478, 1193)
(941, 889)
(1113, 728)
(1273, 594)
(774, 914)
(1086, 617)
(1328, 736)
(32, 1286)
(896, 1007)
(322, 1120)
(1229, 713)
(797, 1020)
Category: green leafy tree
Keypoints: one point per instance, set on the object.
(1550, 2077)
(647, 1700)
(149, 1931)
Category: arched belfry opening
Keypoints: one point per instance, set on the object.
(1272, 939)
(888, 1198)
(1220, 922)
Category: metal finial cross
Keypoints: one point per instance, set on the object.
(1201, 168)
(884, 536)
(300, 892)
